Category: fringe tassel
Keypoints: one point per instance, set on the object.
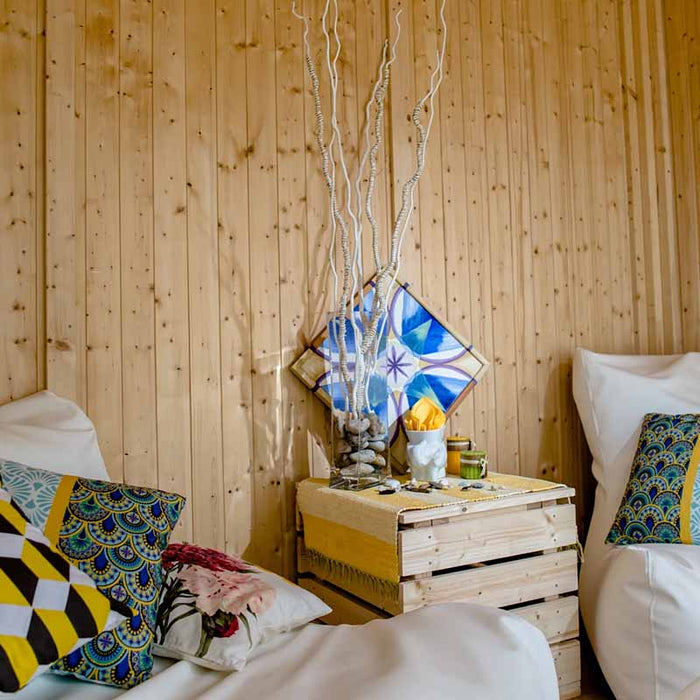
(332, 568)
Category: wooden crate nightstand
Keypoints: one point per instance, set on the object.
(517, 553)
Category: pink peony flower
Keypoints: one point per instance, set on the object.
(229, 591)
(182, 553)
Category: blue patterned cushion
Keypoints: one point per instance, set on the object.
(115, 534)
(661, 504)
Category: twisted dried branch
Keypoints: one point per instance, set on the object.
(373, 324)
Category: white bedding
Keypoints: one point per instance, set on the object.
(640, 604)
(455, 650)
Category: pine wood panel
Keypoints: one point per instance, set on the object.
(137, 246)
(103, 300)
(172, 342)
(513, 582)
(65, 199)
(186, 222)
(21, 301)
(207, 504)
(482, 539)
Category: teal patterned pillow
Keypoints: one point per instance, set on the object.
(661, 504)
(115, 534)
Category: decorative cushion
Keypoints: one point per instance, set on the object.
(53, 433)
(662, 502)
(216, 609)
(116, 535)
(48, 607)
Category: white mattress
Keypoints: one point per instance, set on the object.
(446, 651)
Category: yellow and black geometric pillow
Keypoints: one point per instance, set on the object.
(48, 607)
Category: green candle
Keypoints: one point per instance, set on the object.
(473, 464)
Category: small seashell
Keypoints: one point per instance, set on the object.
(437, 485)
(476, 485)
(392, 484)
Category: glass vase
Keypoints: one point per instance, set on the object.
(360, 449)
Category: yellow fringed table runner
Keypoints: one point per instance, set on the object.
(359, 529)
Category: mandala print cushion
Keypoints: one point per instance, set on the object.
(115, 534)
(215, 609)
(48, 607)
(662, 500)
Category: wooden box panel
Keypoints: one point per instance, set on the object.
(557, 619)
(567, 662)
(347, 610)
(500, 585)
(484, 538)
(410, 517)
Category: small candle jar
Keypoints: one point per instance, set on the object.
(473, 464)
(456, 445)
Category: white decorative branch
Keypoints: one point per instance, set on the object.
(366, 338)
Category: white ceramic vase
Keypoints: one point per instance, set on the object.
(427, 454)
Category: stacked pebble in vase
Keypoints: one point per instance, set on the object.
(360, 451)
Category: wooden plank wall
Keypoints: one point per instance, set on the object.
(168, 169)
(22, 366)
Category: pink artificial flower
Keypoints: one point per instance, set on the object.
(182, 553)
(229, 591)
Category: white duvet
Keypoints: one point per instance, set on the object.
(456, 650)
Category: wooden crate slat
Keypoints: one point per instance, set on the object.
(567, 662)
(347, 610)
(557, 619)
(414, 516)
(486, 538)
(500, 585)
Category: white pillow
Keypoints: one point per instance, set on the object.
(215, 609)
(46, 431)
(613, 393)
(635, 600)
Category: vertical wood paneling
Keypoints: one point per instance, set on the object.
(137, 254)
(234, 271)
(500, 233)
(172, 342)
(455, 219)
(403, 96)
(203, 265)
(427, 41)
(683, 46)
(516, 67)
(476, 265)
(19, 354)
(293, 268)
(186, 222)
(268, 493)
(370, 22)
(65, 199)
(541, 163)
(103, 231)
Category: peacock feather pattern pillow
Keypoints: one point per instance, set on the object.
(115, 534)
(661, 504)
